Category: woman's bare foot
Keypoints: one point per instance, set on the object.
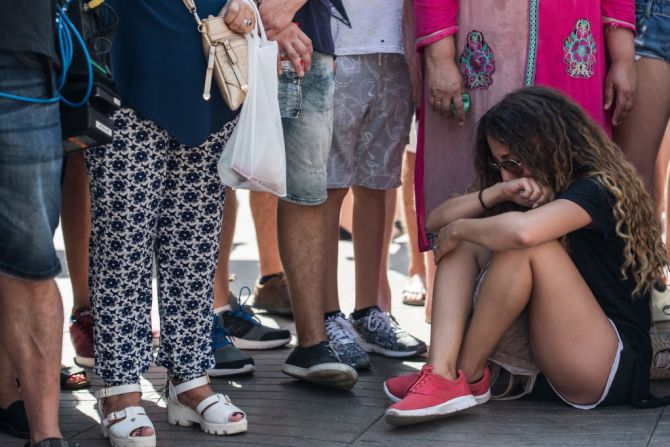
(121, 401)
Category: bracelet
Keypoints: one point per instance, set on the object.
(481, 199)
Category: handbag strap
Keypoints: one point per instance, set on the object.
(190, 5)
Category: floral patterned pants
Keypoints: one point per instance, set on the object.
(154, 201)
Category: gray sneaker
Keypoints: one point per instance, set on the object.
(228, 360)
(342, 337)
(379, 332)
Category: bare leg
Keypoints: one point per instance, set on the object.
(661, 179)
(32, 339)
(264, 211)
(454, 286)
(641, 133)
(302, 246)
(369, 217)
(332, 206)
(8, 391)
(416, 269)
(572, 341)
(430, 283)
(385, 295)
(346, 215)
(221, 282)
(76, 225)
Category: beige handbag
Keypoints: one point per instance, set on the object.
(228, 60)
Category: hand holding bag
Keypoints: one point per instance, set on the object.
(254, 157)
(227, 60)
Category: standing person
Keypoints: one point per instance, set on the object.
(372, 117)
(641, 134)
(585, 49)
(561, 228)
(302, 30)
(31, 157)
(157, 197)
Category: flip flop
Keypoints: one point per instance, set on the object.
(68, 378)
(414, 294)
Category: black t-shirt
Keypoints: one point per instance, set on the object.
(314, 20)
(597, 252)
(27, 25)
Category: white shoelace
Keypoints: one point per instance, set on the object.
(382, 321)
(339, 330)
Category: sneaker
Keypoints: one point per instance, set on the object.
(396, 388)
(320, 365)
(247, 332)
(342, 337)
(431, 397)
(81, 335)
(228, 360)
(273, 297)
(379, 332)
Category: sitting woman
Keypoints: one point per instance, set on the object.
(581, 260)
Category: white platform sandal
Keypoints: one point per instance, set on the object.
(118, 425)
(213, 413)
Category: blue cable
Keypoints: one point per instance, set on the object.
(65, 31)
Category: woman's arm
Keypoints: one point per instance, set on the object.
(514, 230)
(524, 191)
(435, 19)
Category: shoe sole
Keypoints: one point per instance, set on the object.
(369, 347)
(407, 417)
(84, 362)
(481, 399)
(242, 343)
(231, 372)
(333, 375)
(280, 312)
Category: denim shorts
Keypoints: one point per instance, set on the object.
(308, 137)
(653, 29)
(31, 160)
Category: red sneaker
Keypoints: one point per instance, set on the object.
(81, 335)
(431, 397)
(396, 388)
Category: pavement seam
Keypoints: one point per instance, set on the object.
(653, 431)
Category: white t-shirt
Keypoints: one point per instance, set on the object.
(376, 27)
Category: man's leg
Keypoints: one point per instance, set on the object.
(222, 276)
(271, 291)
(32, 339)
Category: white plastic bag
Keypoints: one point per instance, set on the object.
(254, 157)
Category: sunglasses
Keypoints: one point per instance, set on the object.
(512, 166)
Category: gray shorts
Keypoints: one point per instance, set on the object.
(373, 113)
(308, 137)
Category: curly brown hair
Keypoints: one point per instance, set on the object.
(560, 144)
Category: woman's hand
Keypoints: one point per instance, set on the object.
(239, 16)
(620, 87)
(444, 82)
(445, 242)
(526, 192)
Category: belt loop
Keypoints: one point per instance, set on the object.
(647, 13)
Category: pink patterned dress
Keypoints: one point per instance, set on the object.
(503, 45)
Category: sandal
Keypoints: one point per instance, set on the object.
(68, 378)
(213, 413)
(414, 293)
(118, 425)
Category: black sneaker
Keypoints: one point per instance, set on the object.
(246, 330)
(320, 365)
(228, 360)
(14, 420)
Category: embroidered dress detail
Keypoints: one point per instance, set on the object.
(477, 62)
(533, 22)
(579, 51)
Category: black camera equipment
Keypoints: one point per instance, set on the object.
(90, 125)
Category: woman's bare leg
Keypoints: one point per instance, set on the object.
(333, 206)
(572, 340)
(454, 285)
(416, 269)
(385, 295)
(641, 133)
